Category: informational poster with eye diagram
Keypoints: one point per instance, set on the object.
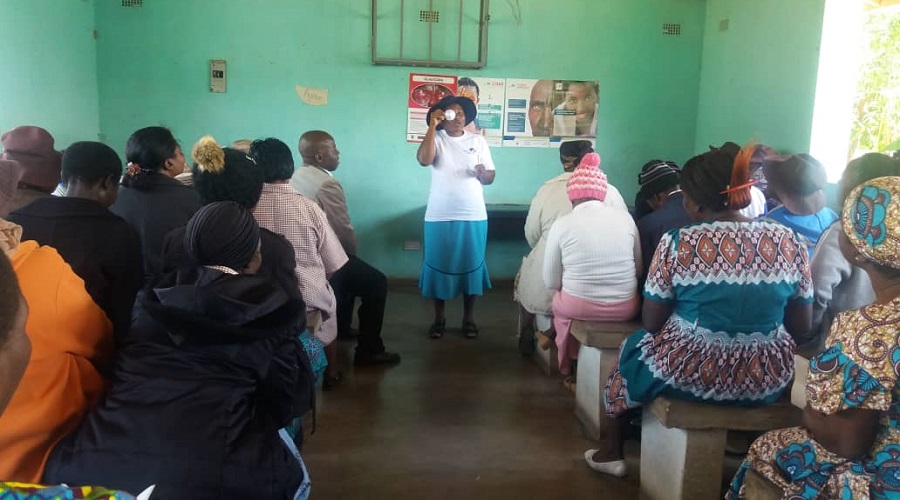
(424, 92)
(512, 112)
(541, 113)
(488, 95)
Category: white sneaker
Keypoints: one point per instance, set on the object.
(614, 468)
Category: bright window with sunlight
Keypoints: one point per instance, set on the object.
(857, 108)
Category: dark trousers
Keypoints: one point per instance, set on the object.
(358, 279)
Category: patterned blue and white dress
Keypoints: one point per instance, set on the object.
(728, 284)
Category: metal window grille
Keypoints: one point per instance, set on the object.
(132, 3)
(431, 33)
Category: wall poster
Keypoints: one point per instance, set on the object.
(424, 92)
(512, 112)
(541, 113)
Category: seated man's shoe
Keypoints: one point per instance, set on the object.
(351, 334)
(526, 341)
(376, 358)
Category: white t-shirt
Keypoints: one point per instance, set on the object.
(757, 206)
(455, 192)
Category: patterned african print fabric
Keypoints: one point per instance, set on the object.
(728, 284)
(858, 369)
(872, 220)
(19, 491)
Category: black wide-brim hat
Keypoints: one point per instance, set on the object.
(465, 103)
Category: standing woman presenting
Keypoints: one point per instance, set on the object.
(455, 219)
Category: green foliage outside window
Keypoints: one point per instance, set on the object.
(876, 121)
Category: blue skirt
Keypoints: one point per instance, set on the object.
(454, 259)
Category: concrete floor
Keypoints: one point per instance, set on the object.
(456, 419)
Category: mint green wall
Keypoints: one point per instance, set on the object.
(153, 70)
(49, 74)
(758, 77)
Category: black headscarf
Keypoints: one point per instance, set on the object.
(222, 234)
(575, 149)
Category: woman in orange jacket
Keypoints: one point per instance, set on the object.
(71, 337)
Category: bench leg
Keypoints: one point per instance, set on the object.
(680, 464)
(594, 367)
(547, 360)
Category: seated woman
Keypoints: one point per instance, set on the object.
(228, 174)
(838, 284)
(103, 249)
(317, 249)
(592, 260)
(849, 442)
(32, 148)
(722, 300)
(205, 382)
(797, 181)
(71, 339)
(550, 202)
(150, 198)
(15, 346)
(759, 202)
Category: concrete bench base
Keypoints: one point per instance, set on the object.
(683, 444)
(682, 464)
(599, 351)
(594, 367)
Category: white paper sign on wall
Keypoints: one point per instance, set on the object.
(217, 75)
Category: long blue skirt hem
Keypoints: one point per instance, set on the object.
(454, 259)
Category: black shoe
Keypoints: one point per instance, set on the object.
(469, 329)
(376, 358)
(437, 329)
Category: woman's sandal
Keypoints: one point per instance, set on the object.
(570, 383)
(469, 329)
(437, 329)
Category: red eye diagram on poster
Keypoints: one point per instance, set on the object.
(540, 113)
(424, 92)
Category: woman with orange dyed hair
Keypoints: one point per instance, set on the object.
(724, 298)
(70, 337)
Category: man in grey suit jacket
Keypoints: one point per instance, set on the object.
(357, 278)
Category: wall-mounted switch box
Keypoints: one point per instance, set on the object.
(217, 75)
(412, 245)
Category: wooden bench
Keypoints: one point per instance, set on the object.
(760, 488)
(683, 444)
(599, 351)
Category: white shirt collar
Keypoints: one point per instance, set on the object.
(319, 168)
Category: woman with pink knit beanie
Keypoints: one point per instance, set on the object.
(593, 260)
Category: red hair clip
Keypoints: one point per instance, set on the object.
(730, 189)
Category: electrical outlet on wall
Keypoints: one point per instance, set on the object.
(412, 245)
(217, 75)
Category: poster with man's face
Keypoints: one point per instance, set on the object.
(541, 112)
(488, 96)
